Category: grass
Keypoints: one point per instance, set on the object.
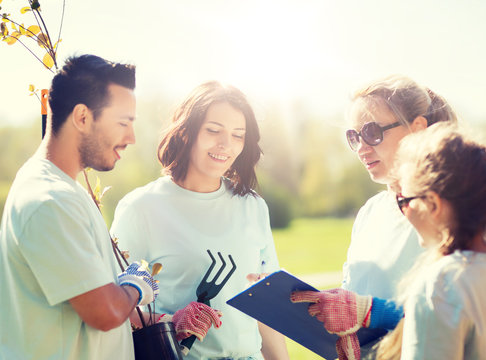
(312, 246)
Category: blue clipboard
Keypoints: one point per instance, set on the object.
(268, 301)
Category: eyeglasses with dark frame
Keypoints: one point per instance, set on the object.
(371, 133)
(404, 202)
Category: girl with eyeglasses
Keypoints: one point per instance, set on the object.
(441, 178)
(384, 245)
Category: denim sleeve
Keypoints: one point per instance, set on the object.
(385, 314)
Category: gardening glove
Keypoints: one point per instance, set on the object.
(137, 276)
(342, 312)
(347, 347)
(195, 319)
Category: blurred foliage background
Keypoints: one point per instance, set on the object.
(307, 169)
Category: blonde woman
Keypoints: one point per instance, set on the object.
(384, 245)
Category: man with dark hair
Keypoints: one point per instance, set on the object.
(61, 297)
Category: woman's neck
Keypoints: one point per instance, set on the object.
(199, 186)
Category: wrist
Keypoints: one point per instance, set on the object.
(134, 292)
(367, 318)
(363, 308)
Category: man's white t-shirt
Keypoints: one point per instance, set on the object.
(54, 245)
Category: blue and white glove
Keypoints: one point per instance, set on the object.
(137, 276)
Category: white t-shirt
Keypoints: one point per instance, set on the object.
(446, 313)
(162, 222)
(54, 245)
(384, 246)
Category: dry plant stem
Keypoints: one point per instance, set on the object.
(25, 46)
(60, 26)
(49, 48)
(27, 30)
(116, 249)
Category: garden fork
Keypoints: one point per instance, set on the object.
(207, 290)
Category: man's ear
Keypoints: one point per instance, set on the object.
(419, 123)
(81, 118)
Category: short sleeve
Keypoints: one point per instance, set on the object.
(59, 245)
(434, 328)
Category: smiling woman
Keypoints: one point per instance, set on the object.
(206, 202)
(219, 142)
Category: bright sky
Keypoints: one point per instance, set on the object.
(315, 52)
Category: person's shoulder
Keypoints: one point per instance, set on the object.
(462, 267)
(39, 182)
(146, 192)
(379, 200)
(452, 276)
(251, 198)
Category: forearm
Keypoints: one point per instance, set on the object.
(273, 343)
(124, 303)
(106, 307)
(385, 314)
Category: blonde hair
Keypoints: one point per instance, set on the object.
(405, 99)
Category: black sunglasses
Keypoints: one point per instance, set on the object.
(404, 202)
(371, 133)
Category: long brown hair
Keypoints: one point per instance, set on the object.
(174, 150)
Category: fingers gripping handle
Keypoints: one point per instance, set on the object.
(139, 278)
(187, 343)
(208, 290)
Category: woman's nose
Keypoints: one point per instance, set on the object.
(223, 141)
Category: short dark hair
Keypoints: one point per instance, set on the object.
(84, 80)
(174, 150)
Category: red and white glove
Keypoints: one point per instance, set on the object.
(195, 319)
(343, 312)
